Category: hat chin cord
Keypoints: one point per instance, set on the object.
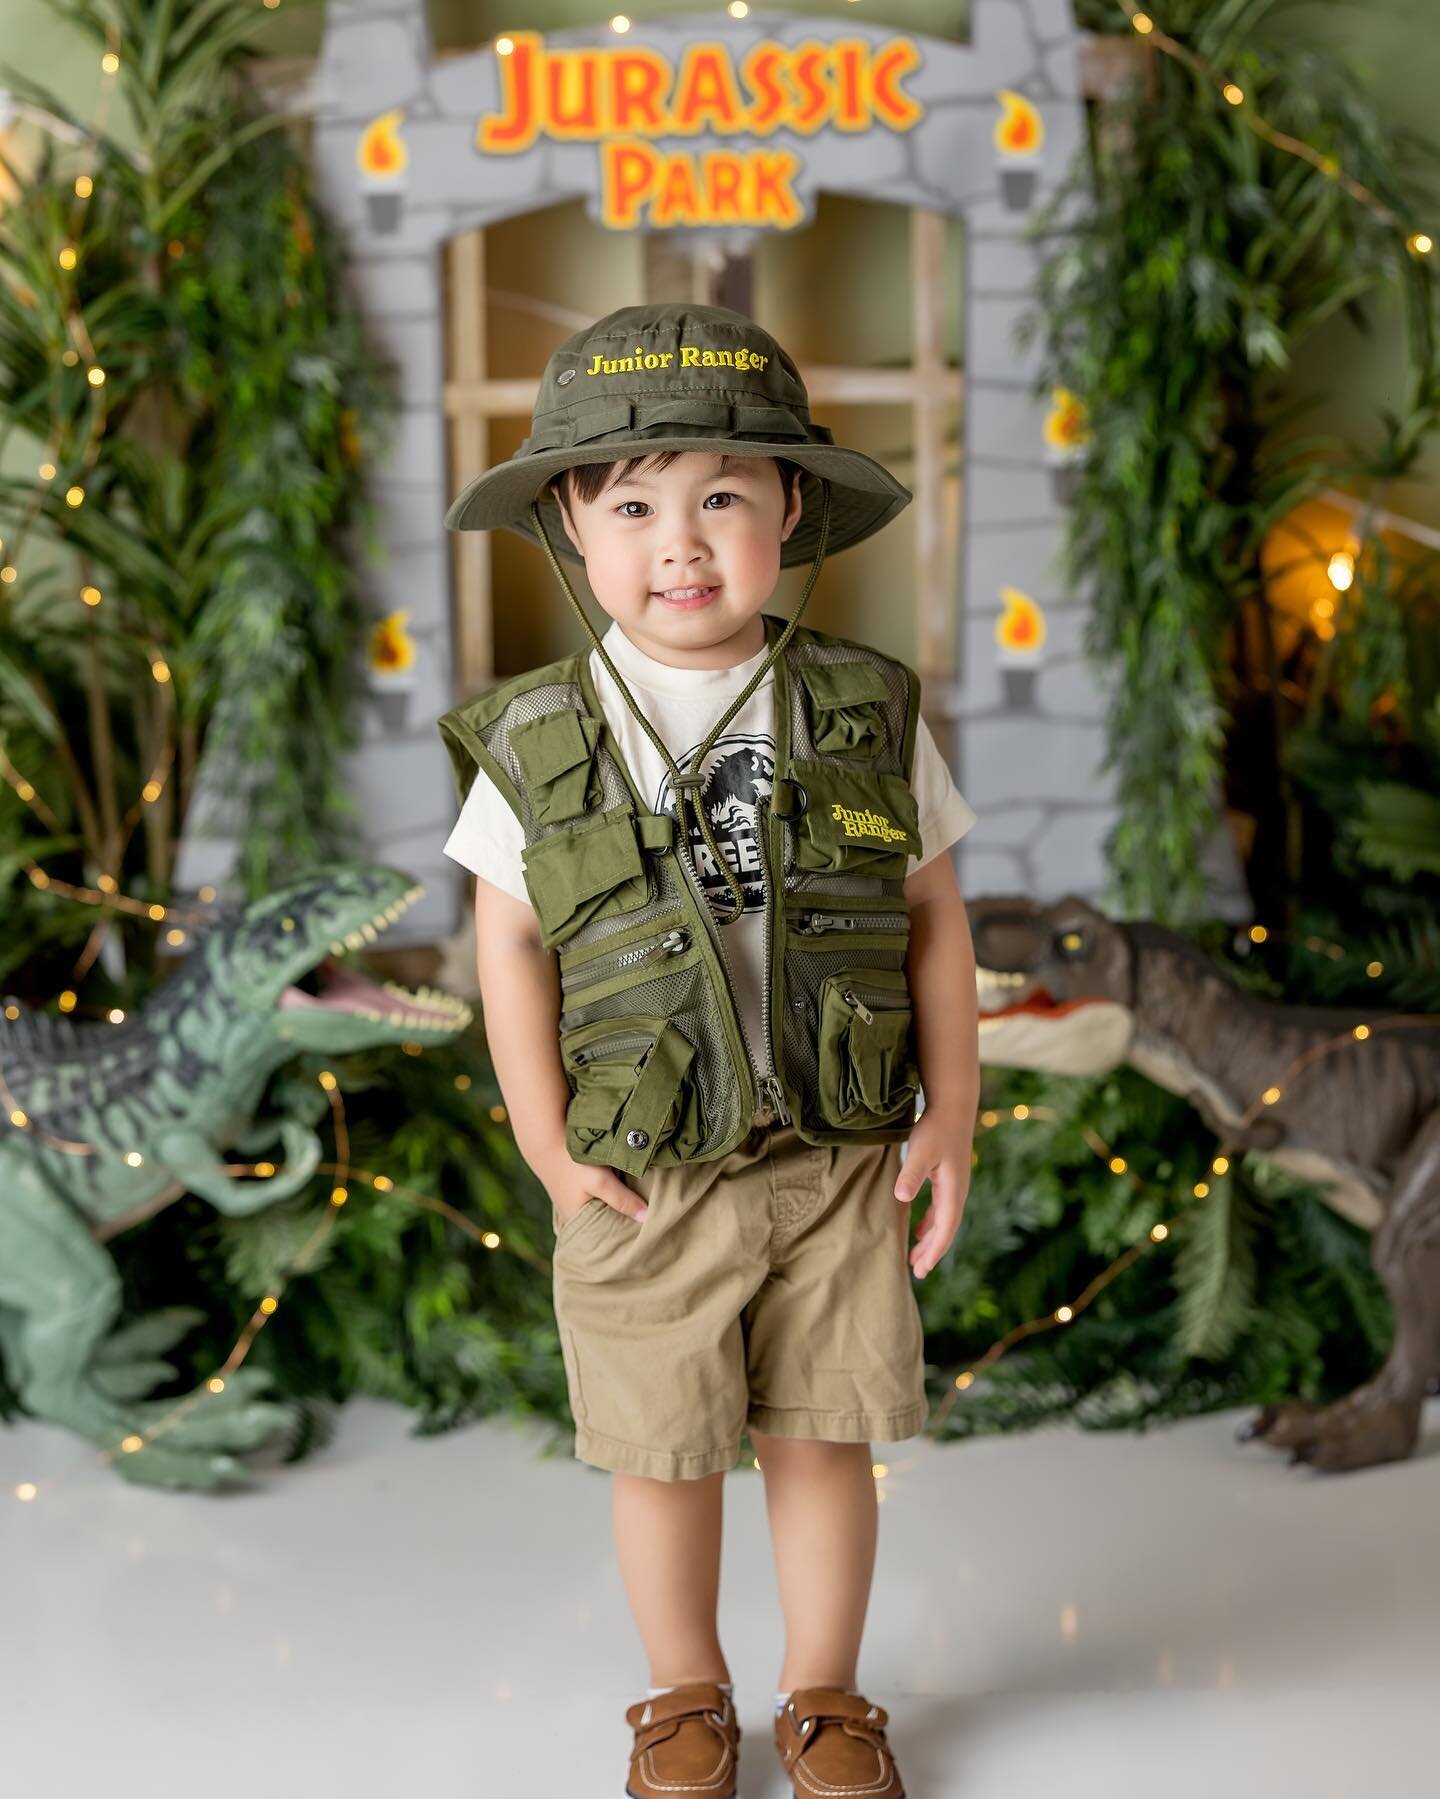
(687, 786)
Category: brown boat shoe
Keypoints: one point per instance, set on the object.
(687, 1741)
(832, 1743)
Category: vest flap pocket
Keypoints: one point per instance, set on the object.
(845, 700)
(868, 1073)
(634, 1093)
(856, 820)
(590, 870)
(557, 753)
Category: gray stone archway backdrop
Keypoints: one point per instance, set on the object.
(983, 131)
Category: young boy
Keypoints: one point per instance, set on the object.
(719, 951)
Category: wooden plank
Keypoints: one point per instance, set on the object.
(470, 445)
(828, 384)
(934, 608)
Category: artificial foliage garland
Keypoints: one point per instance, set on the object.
(1191, 256)
(173, 331)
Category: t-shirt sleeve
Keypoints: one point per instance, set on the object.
(945, 815)
(487, 838)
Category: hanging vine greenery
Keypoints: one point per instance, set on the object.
(180, 612)
(1193, 256)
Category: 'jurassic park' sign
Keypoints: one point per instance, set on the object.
(623, 99)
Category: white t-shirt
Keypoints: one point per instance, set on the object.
(682, 705)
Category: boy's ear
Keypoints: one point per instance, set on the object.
(555, 484)
(793, 509)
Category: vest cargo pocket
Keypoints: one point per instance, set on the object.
(856, 820)
(633, 1093)
(868, 1073)
(586, 871)
(557, 754)
(845, 702)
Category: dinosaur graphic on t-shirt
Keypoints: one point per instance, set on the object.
(740, 771)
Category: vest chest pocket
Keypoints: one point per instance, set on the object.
(858, 821)
(868, 1071)
(556, 753)
(635, 1094)
(845, 701)
(589, 871)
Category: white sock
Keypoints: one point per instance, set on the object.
(725, 1686)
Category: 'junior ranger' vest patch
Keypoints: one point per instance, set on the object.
(652, 1042)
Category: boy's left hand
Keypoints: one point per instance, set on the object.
(939, 1150)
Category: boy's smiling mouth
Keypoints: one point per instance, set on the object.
(687, 598)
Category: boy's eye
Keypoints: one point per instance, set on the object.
(723, 494)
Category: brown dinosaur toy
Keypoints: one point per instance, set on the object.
(1065, 990)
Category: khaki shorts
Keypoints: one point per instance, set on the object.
(768, 1290)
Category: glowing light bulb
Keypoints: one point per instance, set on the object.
(1420, 243)
(1143, 23)
(1159, 1233)
(1341, 570)
(1064, 1315)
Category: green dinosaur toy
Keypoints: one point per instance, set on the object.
(1065, 990)
(104, 1124)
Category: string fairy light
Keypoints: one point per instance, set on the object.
(1419, 243)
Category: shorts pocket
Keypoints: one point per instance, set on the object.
(635, 1097)
(868, 1071)
(557, 753)
(844, 700)
(858, 821)
(587, 871)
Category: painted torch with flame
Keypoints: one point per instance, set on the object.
(381, 157)
(1019, 141)
(1020, 628)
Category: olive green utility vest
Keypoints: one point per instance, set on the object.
(650, 1036)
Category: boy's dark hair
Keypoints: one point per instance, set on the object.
(588, 480)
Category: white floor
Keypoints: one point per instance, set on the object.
(1055, 1615)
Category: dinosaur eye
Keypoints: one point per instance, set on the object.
(1072, 943)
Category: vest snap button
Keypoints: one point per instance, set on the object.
(637, 1139)
(797, 1005)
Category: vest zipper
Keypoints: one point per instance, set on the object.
(814, 923)
(608, 1044)
(672, 943)
(770, 1081)
(881, 996)
(682, 850)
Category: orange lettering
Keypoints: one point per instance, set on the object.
(705, 91)
(637, 92)
(895, 61)
(514, 128)
(572, 93)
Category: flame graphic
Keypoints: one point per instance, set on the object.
(1021, 626)
(391, 645)
(380, 150)
(1066, 424)
(1019, 131)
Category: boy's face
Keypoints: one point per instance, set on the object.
(684, 526)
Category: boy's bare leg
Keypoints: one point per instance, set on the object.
(820, 1498)
(667, 1541)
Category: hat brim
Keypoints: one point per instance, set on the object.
(864, 495)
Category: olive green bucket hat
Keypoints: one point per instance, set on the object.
(677, 376)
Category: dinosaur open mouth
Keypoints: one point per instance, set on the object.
(336, 986)
(1005, 994)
